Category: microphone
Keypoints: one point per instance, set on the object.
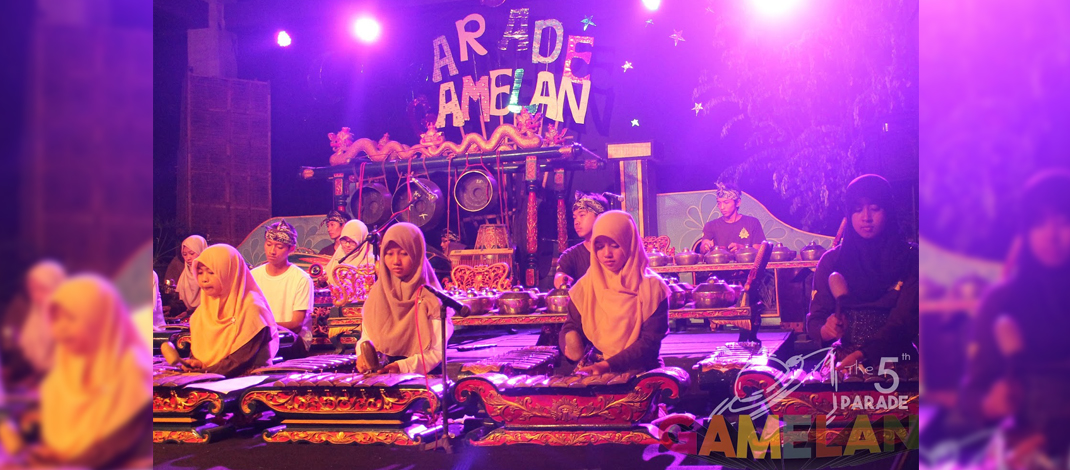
(609, 195)
(450, 302)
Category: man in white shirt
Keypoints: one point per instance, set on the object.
(288, 288)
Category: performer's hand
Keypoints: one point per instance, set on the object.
(998, 403)
(392, 368)
(734, 246)
(362, 365)
(850, 361)
(562, 279)
(191, 365)
(705, 245)
(833, 328)
(597, 368)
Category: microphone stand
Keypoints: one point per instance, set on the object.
(375, 235)
(462, 310)
(445, 385)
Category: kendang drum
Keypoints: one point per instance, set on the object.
(475, 190)
(372, 202)
(492, 237)
(420, 202)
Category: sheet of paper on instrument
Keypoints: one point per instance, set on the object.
(231, 385)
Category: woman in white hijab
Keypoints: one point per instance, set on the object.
(188, 289)
(620, 307)
(354, 232)
(35, 338)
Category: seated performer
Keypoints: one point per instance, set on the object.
(575, 260)
(620, 306)
(334, 221)
(35, 339)
(402, 320)
(187, 287)
(96, 406)
(232, 331)
(1019, 364)
(879, 314)
(27, 342)
(288, 288)
(732, 230)
(352, 249)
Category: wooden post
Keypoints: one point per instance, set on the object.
(531, 172)
(562, 204)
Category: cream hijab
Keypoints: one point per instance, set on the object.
(188, 289)
(390, 313)
(35, 339)
(222, 325)
(612, 306)
(354, 230)
(93, 391)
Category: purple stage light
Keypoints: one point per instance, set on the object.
(652, 5)
(284, 39)
(775, 7)
(366, 29)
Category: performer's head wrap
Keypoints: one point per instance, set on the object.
(728, 191)
(281, 232)
(591, 202)
(335, 216)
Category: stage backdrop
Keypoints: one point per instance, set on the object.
(681, 217)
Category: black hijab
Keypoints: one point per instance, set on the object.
(872, 266)
(1042, 293)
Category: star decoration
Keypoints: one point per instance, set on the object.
(676, 37)
(649, 22)
(635, 123)
(698, 107)
(587, 21)
(627, 65)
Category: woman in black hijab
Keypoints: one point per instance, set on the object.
(879, 314)
(1019, 358)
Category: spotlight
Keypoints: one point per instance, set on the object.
(775, 7)
(284, 39)
(652, 5)
(366, 29)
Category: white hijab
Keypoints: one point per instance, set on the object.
(188, 289)
(354, 230)
(35, 339)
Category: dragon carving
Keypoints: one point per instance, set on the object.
(523, 134)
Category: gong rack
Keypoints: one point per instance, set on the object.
(552, 160)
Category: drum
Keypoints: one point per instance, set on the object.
(492, 237)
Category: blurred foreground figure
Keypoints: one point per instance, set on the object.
(1019, 371)
(28, 327)
(95, 402)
